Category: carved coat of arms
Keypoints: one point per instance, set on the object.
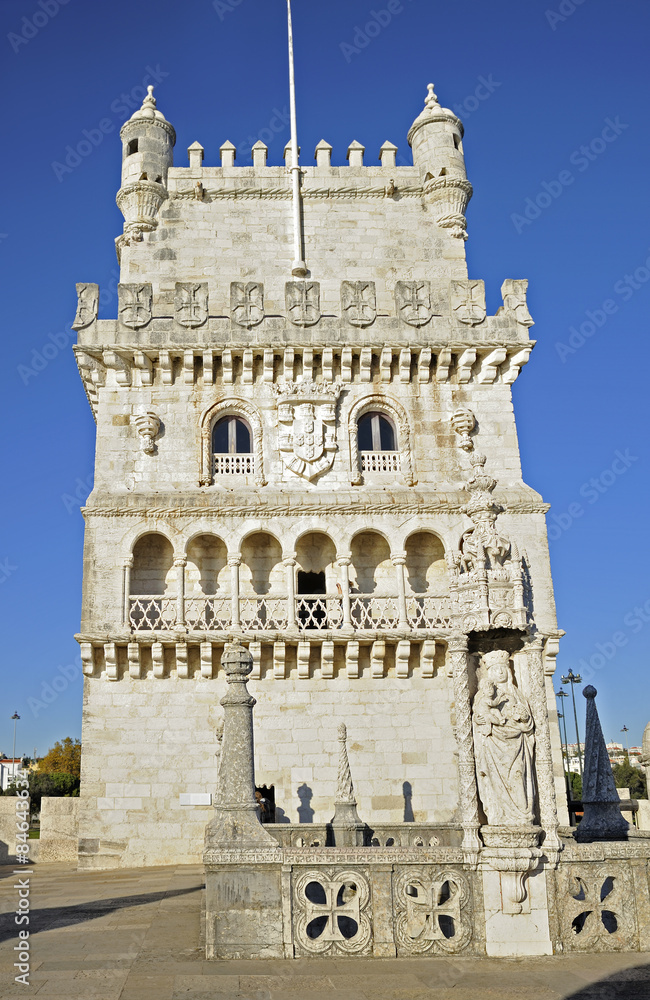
(191, 303)
(359, 302)
(413, 300)
(514, 300)
(246, 302)
(134, 307)
(87, 305)
(307, 422)
(303, 302)
(468, 301)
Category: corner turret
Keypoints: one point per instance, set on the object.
(147, 154)
(436, 137)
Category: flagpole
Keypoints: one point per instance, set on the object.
(298, 268)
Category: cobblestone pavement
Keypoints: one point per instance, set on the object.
(135, 935)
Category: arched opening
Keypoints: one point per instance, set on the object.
(319, 592)
(377, 443)
(152, 601)
(232, 446)
(427, 581)
(262, 583)
(207, 584)
(372, 578)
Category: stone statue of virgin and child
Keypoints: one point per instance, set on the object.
(504, 744)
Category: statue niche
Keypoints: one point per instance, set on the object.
(504, 743)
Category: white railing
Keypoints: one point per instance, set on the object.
(374, 612)
(320, 611)
(380, 461)
(263, 612)
(233, 465)
(148, 612)
(425, 611)
(211, 614)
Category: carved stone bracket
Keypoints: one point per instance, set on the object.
(148, 425)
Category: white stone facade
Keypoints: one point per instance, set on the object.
(188, 547)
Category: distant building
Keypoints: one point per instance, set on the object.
(8, 767)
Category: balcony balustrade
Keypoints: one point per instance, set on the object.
(233, 465)
(380, 461)
(320, 612)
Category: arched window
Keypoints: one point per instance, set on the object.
(377, 443)
(232, 446)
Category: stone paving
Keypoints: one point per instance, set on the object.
(135, 935)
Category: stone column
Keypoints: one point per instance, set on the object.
(126, 591)
(236, 823)
(290, 565)
(543, 753)
(468, 792)
(179, 565)
(399, 562)
(234, 563)
(343, 564)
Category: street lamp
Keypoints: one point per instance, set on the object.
(574, 679)
(15, 717)
(625, 730)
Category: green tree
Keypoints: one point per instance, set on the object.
(627, 776)
(575, 785)
(63, 758)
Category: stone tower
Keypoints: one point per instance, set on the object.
(325, 469)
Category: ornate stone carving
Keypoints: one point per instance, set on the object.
(247, 303)
(413, 302)
(359, 302)
(236, 823)
(347, 825)
(191, 303)
(147, 424)
(468, 301)
(87, 305)
(596, 907)
(504, 745)
(483, 539)
(602, 816)
(135, 302)
(463, 421)
(514, 300)
(331, 912)
(303, 302)
(432, 911)
(307, 418)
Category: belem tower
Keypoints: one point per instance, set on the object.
(308, 479)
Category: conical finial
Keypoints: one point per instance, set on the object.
(344, 786)
(149, 109)
(602, 819)
(150, 100)
(430, 101)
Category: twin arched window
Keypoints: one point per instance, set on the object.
(231, 436)
(375, 432)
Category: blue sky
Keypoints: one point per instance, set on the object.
(533, 82)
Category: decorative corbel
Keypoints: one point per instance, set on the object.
(148, 425)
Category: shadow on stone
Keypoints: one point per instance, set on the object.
(627, 984)
(305, 811)
(65, 916)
